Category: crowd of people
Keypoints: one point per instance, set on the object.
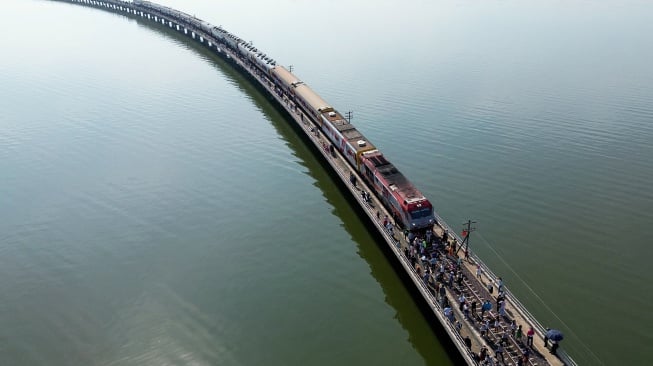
(436, 261)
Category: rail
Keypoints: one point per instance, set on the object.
(516, 304)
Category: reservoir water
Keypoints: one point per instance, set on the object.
(155, 209)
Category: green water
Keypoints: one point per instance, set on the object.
(156, 209)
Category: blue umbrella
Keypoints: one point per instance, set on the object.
(554, 335)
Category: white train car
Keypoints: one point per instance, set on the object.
(345, 137)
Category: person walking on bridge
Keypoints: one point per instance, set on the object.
(487, 306)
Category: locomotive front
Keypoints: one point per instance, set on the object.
(420, 215)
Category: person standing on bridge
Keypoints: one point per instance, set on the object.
(461, 301)
(468, 342)
(502, 308)
(497, 324)
(443, 293)
(500, 299)
(449, 313)
(499, 353)
(484, 328)
(518, 334)
(504, 339)
(487, 306)
(520, 361)
(529, 336)
(483, 353)
(388, 227)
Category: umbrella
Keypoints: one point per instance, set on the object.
(554, 335)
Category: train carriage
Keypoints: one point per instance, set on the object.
(218, 33)
(345, 137)
(311, 102)
(264, 63)
(243, 49)
(232, 41)
(206, 27)
(285, 79)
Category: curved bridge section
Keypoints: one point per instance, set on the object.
(427, 251)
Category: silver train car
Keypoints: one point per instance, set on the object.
(258, 58)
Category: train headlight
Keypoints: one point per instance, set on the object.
(414, 224)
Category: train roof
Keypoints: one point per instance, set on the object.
(286, 76)
(315, 101)
(397, 182)
(348, 131)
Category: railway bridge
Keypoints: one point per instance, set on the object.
(462, 328)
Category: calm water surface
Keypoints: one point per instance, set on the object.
(155, 209)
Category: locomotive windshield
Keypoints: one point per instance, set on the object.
(423, 212)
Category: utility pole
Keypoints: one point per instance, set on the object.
(290, 68)
(349, 115)
(466, 231)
